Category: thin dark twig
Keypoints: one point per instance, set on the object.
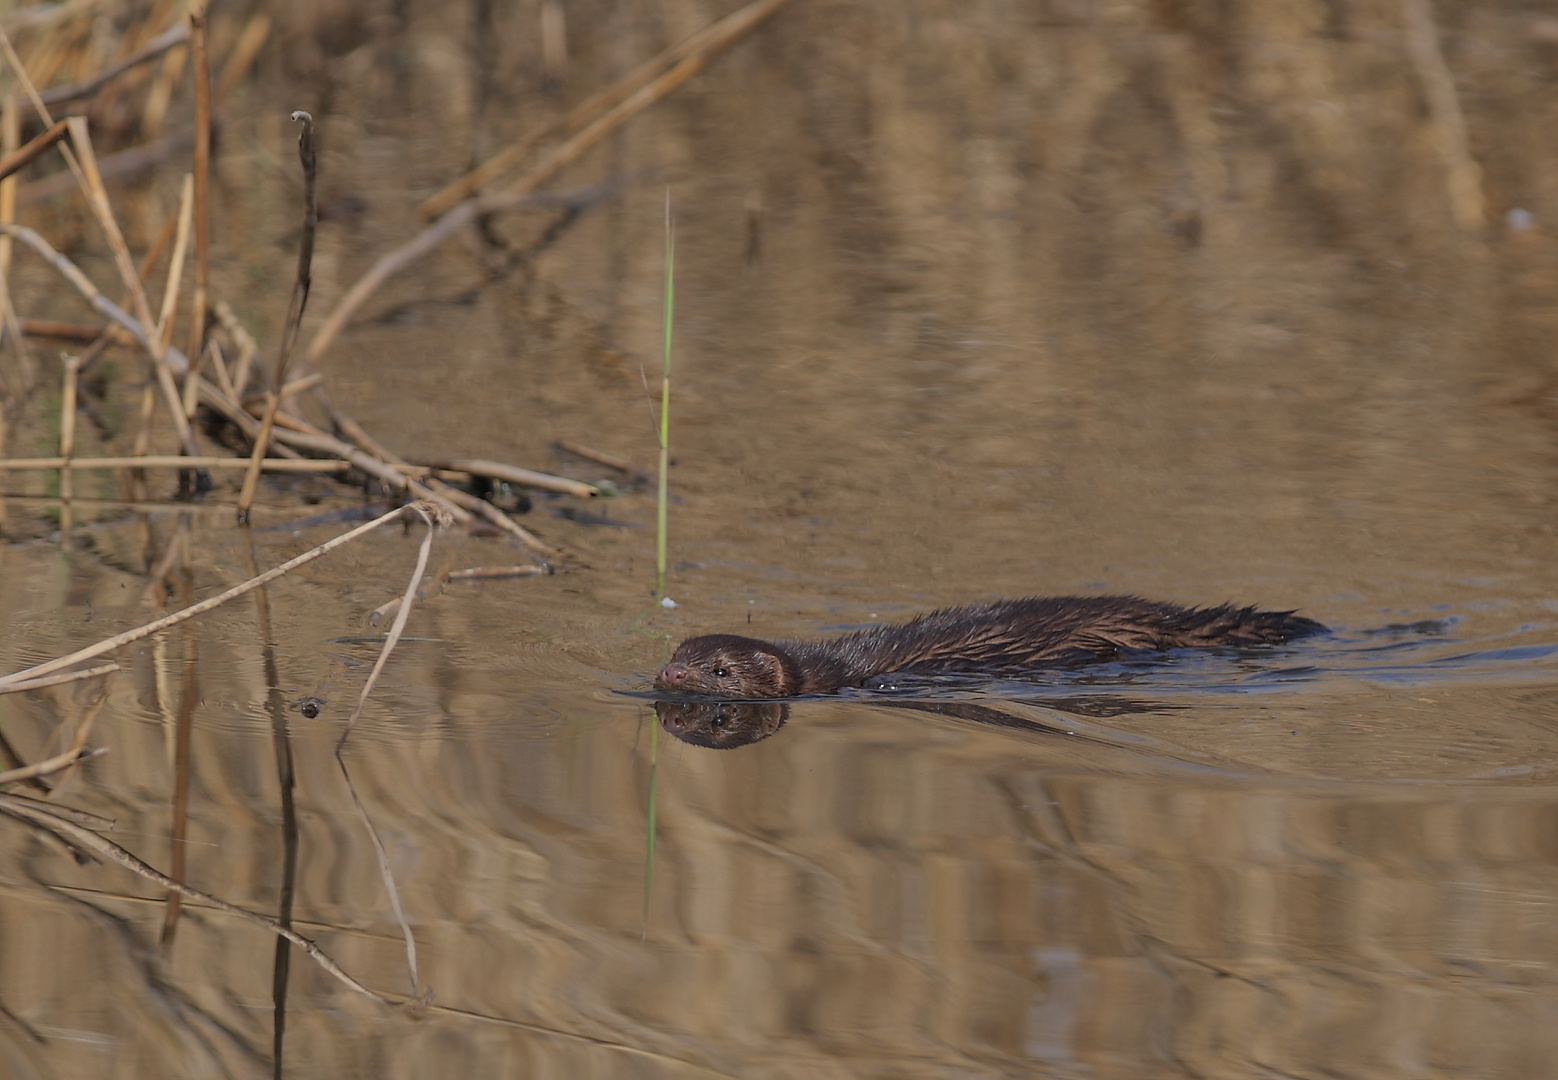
(300, 287)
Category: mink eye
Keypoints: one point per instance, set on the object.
(720, 673)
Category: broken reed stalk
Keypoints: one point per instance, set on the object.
(611, 461)
(55, 680)
(57, 763)
(48, 817)
(16, 160)
(197, 308)
(118, 640)
(295, 306)
(630, 105)
(496, 470)
(492, 573)
(38, 104)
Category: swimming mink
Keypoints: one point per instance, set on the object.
(1002, 637)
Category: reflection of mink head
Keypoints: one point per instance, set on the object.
(723, 725)
(725, 665)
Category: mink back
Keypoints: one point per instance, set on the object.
(1005, 636)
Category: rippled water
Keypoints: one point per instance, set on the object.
(973, 301)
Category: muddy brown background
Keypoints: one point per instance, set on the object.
(973, 299)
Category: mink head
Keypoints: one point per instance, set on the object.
(724, 665)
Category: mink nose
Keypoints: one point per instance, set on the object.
(673, 675)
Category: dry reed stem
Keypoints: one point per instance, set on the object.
(80, 333)
(497, 517)
(386, 609)
(10, 137)
(223, 381)
(247, 348)
(197, 309)
(296, 386)
(708, 41)
(433, 519)
(553, 162)
(16, 160)
(1463, 174)
(210, 395)
(170, 292)
(217, 399)
(295, 306)
(600, 457)
(118, 165)
(91, 293)
(146, 630)
(58, 763)
(355, 432)
(42, 109)
(170, 461)
(176, 34)
(43, 816)
(490, 573)
(299, 433)
(467, 502)
(524, 477)
(55, 680)
(97, 198)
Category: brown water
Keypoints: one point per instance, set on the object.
(972, 300)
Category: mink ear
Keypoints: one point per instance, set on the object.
(773, 668)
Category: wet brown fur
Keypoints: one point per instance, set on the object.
(1006, 636)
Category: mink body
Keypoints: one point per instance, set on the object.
(1002, 637)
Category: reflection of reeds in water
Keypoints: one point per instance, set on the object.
(207, 382)
(662, 498)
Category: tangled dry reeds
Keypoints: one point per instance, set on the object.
(210, 395)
